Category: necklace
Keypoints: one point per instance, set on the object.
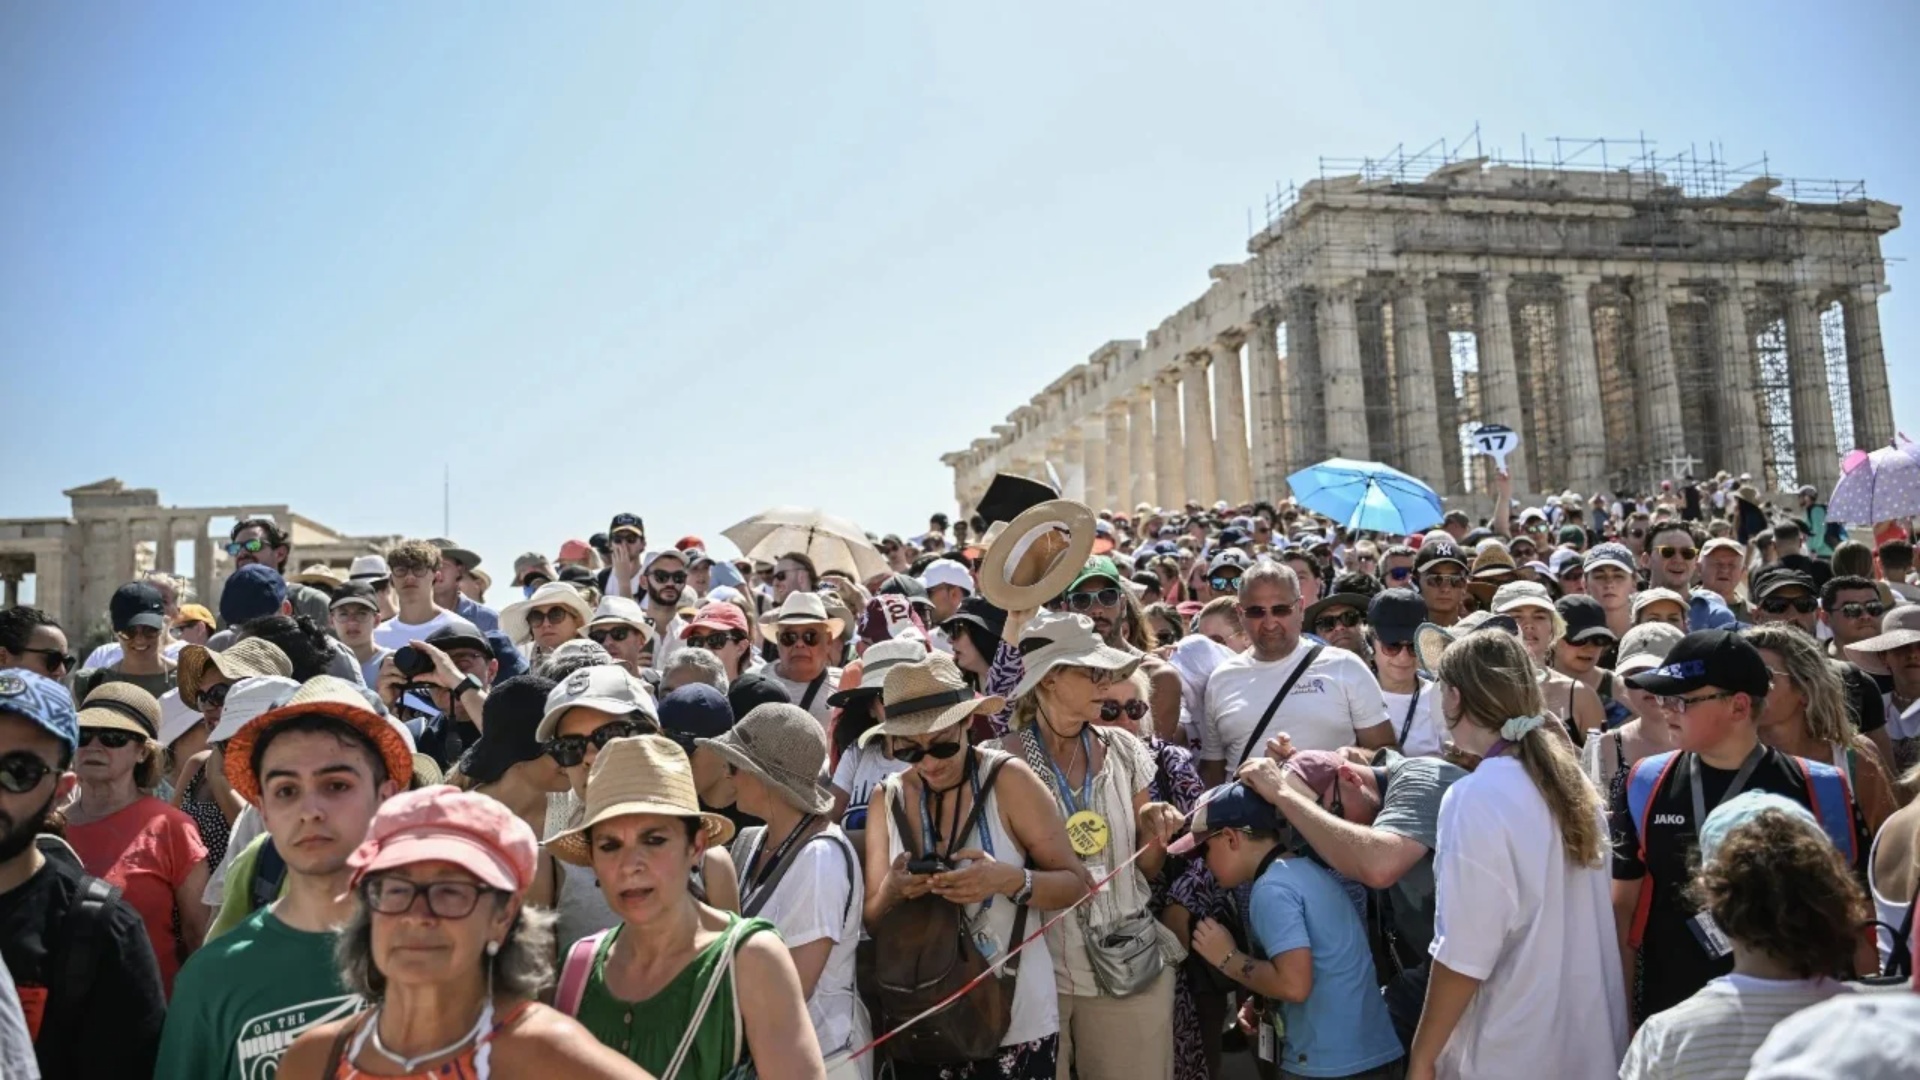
(412, 1064)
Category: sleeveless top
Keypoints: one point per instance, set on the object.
(461, 1067)
(1892, 912)
(647, 1032)
(213, 825)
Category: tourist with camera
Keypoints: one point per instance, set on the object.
(438, 688)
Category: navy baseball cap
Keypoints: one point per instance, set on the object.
(626, 523)
(43, 701)
(253, 591)
(1717, 658)
(1229, 806)
(139, 604)
(694, 711)
(1395, 614)
(1585, 618)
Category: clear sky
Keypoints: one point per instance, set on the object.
(695, 260)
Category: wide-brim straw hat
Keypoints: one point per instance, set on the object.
(513, 617)
(1430, 640)
(1898, 627)
(1059, 639)
(644, 774)
(1037, 555)
(121, 706)
(800, 609)
(784, 747)
(245, 659)
(322, 695)
(927, 696)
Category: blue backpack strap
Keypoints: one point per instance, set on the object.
(1832, 804)
(1644, 778)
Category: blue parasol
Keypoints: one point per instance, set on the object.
(1367, 495)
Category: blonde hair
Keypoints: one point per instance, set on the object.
(1824, 695)
(1494, 676)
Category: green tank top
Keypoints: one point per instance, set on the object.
(648, 1032)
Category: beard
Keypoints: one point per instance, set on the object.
(18, 837)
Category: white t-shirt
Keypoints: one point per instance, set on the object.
(1427, 733)
(858, 774)
(1713, 1034)
(1334, 699)
(820, 897)
(798, 692)
(393, 633)
(1513, 913)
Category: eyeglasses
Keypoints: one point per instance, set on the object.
(1679, 705)
(1675, 551)
(1444, 581)
(56, 660)
(111, 738)
(912, 753)
(665, 577)
(601, 635)
(809, 638)
(252, 547)
(397, 573)
(21, 772)
(214, 697)
(1537, 527)
(1854, 609)
(445, 899)
(1135, 709)
(782, 575)
(1400, 573)
(570, 750)
(1081, 601)
(1256, 612)
(1393, 648)
(1224, 584)
(715, 642)
(1326, 624)
(1636, 533)
(1334, 805)
(1777, 605)
(548, 615)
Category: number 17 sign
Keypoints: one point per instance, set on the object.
(1496, 441)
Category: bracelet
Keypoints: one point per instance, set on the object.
(1225, 960)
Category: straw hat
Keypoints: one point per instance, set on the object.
(783, 746)
(645, 774)
(513, 617)
(1052, 639)
(927, 696)
(1899, 627)
(244, 659)
(1429, 641)
(320, 575)
(323, 695)
(1031, 561)
(800, 609)
(121, 706)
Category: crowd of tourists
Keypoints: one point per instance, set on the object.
(1611, 786)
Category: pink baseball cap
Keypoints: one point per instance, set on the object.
(444, 824)
(575, 551)
(1317, 768)
(716, 615)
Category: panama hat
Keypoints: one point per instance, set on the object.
(322, 695)
(246, 658)
(513, 617)
(1899, 627)
(622, 611)
(800, 609)
(928, 696)
(320, 575)
(1054, 639)
(121, 706)
(1037, 555)
(643, 774)
(784, 748)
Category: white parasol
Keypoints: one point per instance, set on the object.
(833, 543)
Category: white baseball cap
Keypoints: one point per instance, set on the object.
(606, 687)
(948, 572)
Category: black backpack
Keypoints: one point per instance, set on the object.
(84, 929)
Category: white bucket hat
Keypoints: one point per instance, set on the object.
(248, 699)
(513, 618)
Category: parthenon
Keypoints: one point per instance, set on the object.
(1654, 319)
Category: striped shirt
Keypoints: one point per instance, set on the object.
(1713, 1034)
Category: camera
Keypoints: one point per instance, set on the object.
(411, 662)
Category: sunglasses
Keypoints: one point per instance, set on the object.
(664, 577)
(912, 753)
(1278, 611)
(570, 750)
(781, 575)
(715, 642)
(252, 547)
(1855, 609)
(1393, 648)
(1445, 581)
(1778, 605)
(1636, 533)
(445, 899)
(111, 738)
(1326, 624)
(809, 638)
(1134, 710)
(1675, 551)
(1224, 584)
(21, 772)
(215, 697)
(1081, 601)
(548, 615)
(601, 635)
(56, 660)
(1400, 573)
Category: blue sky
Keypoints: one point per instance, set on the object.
(693, 261)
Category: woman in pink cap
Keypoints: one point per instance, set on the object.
(450, 959)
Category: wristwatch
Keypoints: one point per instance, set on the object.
(1026, 888)
(471, 682)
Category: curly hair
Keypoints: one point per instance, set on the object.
(299, 637)
(1779, 887)
(413, 555)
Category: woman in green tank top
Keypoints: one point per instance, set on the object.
(683, 990)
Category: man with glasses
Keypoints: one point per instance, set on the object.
(414, 567)
(353, 615)
(1340, 617)
(1440, 570)
(1723, 564)
(1224, 571)
(30, 639)
(1851, 607)
(1099, 593)
(663, 576)
(69, 985)
(619, 626)
(457, 568)
(1709, 690)
(803, 636)
(1323, 698)
(1396, 566)
(1672, 550)
(260, 542)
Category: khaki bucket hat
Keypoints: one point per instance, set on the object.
(1899, 627)
(783, 747)
(645, 774)
(248, 658)
(927, 696)
(1057, 639)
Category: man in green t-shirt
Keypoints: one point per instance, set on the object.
(318, 768)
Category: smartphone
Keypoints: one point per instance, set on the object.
(928, 864)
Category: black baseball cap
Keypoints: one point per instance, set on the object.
(1717, 658)
(1776, 578)
(1395, 614)
(137, 604)
(458, 633)
(1585, 618)
(1438, 550)
(355, 592)
(627, 522)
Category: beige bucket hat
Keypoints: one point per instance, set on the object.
(1899, 627)
(800, 609)
(1053, 639)
(927, 696)
(513, 617)
(645, 774)
(247, 658)
(784, 747)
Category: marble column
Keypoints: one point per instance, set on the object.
(1064, 454)
(1586, 433)
(1346, 407)
(1233, 468)
(1500, 374)
(1265, 467)
(1743, 446)
(1118, 492)
(1093, 463)
(1199, 442)
(1867, 369)
(1421, 445)
(12, 592)
(1816, 454)
(203, 565)
(1659, 388)
(1168, 486)
(1142, 447)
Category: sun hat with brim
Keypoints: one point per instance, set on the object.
(1430, 640)
(644, 774)
(928, 696)
(320, 575)
(176, 719)
(880, 657)
(1054, 639)
(322, 695)
(1491, 561)
(246, 658)
(800, 609)
(513, 617)
(1899, 627)
(511, 716)
(474, 832)
(784, 748)
(607, 688)
(369, 568)
(121, 706)
(450, 550)
(1039, 552)
(247, 700)
(621, 611)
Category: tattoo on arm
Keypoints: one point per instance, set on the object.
(1246, 969)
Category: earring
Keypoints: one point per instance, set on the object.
(493, 948)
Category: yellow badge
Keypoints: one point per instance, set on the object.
(1088, 833)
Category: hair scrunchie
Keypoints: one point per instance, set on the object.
(1513, 729)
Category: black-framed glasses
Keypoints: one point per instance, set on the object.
(408, 573)
(1778, 605)
(56, 660)
(602, 634)
(669, 577)
(1334, 804)
(716, 642)
(1854, 609)
(912, 753)
(390, 895)
(548, 615)
(1676, 551)
(1081, 601)
(570, 750)
(111, 738)
(252, 547)
(1135, 710)
(809, 638)
(1257, 612)
(1326, 624)
(215, 697)
(1679, 705)
(1224, 584)
(21, 771)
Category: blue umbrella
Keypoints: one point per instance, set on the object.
(1367, 495)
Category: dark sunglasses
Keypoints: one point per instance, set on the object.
(254, 547)
(1636, 533)
(547, 615)
(1081, 601)
(1328, 623)
(663, 577)
(56, 660)
(214, 697)
(21, 772)
(809, 638)
(570, 750)
(1278, 611)
(445, 899)
(1854, 609)
(1393, 648)
(1400, 573)
(600, 635)
(1670, 551)
(1778, 605)
(1224, 584)
(1111, 710)
(111, 738)
(780, 575)
(912, 753)
(716, 642)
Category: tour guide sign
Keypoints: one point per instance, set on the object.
(1495, 441)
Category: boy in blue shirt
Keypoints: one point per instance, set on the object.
(1310, 949)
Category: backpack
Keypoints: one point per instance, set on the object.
(923, 955)
(1828, 796)
(269, 874)
(84, 928)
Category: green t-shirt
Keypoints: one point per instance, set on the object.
(240, 1001)
(648, 1032)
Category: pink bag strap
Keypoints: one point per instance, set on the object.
(573, 975)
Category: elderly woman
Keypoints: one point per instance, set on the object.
(1015, 861)
(554, 614)
(122, 833)
(442, 947)
(684, 990)
(1114, 962)
(1806, 715)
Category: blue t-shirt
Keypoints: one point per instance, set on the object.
(1343, 1027)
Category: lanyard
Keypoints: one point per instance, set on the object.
(759, 881)
(1413, 703)
(1086, 780)
(1739, 781)
(930, 838)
